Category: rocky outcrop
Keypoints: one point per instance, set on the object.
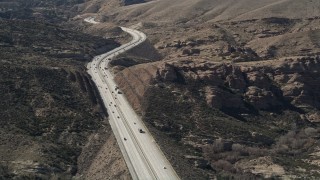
(236, 82)
(187, 43)
(261, 166)
(190, 52)
(134, 82)
(239, 54)
(216, 97)
(167, 73)
(261, 98)
(314, 117)
(267, 87)
(259, 79)
(265, 97)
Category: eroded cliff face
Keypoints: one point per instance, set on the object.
(266, 86)
(203, 113)
(134, 82)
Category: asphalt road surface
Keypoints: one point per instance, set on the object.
(143, 156)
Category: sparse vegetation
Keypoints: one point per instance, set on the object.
(186, 121)
(46, 112)
(260, 121)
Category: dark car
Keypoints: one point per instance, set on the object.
(141, 131)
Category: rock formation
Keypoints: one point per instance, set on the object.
(267, 87)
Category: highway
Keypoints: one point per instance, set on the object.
(143, 156)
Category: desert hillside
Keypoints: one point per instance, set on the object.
(255, 30)
(222, 117)
(53, 125)
(236, 93)
(228, 88)
(166, 11)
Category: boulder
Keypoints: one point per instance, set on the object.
(167, 72)
(261, 98)
(191, 43)
(195, 51)
(281, 78)
(200, 41)
(258, 79)
(314, 117)
(190, 51)
(186, 52)
(202, 164)
(293, 89)
(219, 98)
(177, 44)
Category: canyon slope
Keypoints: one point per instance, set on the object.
(235, 92)
(229, 89)
(53, 125)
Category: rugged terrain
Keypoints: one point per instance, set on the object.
(52, 123)
(219, 116)
(236, 93)
(229, 89)
(259, 30)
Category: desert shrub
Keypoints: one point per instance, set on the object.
(233, 157)
(217, 146)
(255, 151)
(237, 147)
(263, 140)
(223, 154)
(249, 151)
(295, 142)
(223, 165)
(311, 131)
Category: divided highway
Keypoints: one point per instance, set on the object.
(143, 157)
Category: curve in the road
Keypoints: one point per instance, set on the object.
(144, 158)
